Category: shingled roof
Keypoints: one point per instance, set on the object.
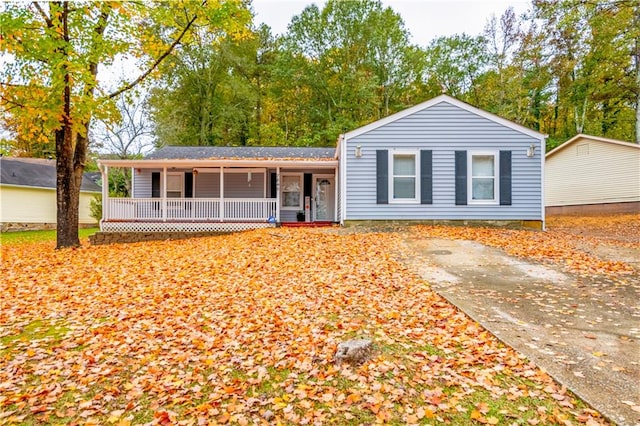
(244, 152)
(35, 172)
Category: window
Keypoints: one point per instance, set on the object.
(174, 185)
(404, 176)
(483, 184)
(292, 192)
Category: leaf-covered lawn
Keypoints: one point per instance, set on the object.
(243, 329)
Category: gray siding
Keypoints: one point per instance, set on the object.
(236, 185)
(142, 182)
(443, 128)
(207, 185)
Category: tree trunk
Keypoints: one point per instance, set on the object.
(67, 189)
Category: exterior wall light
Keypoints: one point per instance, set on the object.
(531, 151)
(358, 152)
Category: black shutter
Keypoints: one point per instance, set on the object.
(155, 185)
(426, 177)
(382, 176)
(461, 178)
(188, 185)
(307, 184)
(273, 185)
(505, 178)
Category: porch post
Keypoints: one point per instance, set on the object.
(335, 200)
(278, 194)
(221, 194)
(105, 193)
(164, 194)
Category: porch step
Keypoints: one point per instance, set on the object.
(307, 224)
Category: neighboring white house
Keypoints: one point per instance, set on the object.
(593, 174)
(28, 194)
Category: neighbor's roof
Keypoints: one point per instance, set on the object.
(582, 136)
(35, 173)
(241, 152)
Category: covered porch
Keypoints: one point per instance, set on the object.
(212, 195)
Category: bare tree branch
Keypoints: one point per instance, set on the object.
(157, 61)
(46, 18)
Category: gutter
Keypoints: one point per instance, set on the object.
(218, 163)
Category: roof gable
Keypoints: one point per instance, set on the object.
(240, 152)
(581, 136)
(452, 101)
(35, 173)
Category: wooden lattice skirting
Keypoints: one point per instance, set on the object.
(182, 227)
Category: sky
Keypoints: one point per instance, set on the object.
(425, 19)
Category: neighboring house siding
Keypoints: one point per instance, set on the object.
(443, 128)
(592, 172)
(37, 205)
(84, 213)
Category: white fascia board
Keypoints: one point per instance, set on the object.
(448, 99)
(220, 163)
(42, 187)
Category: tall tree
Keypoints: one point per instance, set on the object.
(593, 48)
(56, 51)
(455, 63)
(126, 136)
(211, 92)
(356, 63)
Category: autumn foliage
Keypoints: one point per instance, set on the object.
(570, 242)
(243, 329)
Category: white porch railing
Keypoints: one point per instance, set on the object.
(189, 209)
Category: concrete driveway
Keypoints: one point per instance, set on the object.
(585, 332)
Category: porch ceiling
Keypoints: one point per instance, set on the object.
(289, 163)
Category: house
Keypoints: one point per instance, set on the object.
(591, 174)
(201, 189)
(440, 160)
(28, 195)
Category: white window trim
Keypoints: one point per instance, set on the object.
(496, 177)
(181, 175)
(416, 155)
(299, 176)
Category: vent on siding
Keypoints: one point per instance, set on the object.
(582, 149)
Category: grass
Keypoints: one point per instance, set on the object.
(39, 236)
(34, 331)
(242, 329)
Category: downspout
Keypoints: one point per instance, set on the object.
(336, 193)
(543, 154)
(342, 164)
(278, 194)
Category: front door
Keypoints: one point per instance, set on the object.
(325, 190)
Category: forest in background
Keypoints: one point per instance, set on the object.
(563, 68)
